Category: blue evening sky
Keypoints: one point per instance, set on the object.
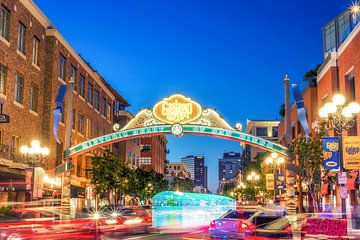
(230, 55)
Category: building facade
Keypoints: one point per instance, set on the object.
(153, 153)
(267, 129)
(177, 169)
(338, 73)
(35, 60)
(229, 165)
(129, 150)
(197, 169)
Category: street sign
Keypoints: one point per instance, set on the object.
(343, 192)
(4, 118)
(342, 177)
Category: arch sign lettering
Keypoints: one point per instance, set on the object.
(176, 115)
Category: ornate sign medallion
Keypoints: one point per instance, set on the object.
(177, 109)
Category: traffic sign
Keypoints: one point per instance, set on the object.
(4, 118)
(343, 192)
(342, 177)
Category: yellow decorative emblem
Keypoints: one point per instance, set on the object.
(177, 109)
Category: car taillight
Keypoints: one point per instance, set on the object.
(246, 226)
(212, 224)
(288, 228)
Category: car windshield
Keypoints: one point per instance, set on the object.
(238, 214)
(278, 224)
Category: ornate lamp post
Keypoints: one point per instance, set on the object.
(273, 161)
(253, 177)
(339, 118)
(35, 154)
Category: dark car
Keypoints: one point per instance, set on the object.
(282, 228)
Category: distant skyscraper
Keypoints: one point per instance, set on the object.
(197, 169)
(229, 165)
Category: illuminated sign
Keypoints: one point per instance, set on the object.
(167, 129)
(177, 109)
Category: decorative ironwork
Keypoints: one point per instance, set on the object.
(338, 122)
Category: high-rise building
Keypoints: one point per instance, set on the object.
(197, 169)
(229, 165)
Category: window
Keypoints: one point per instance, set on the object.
(103, 106)
(350, 86)
(96, 100)
(145, 148)
(95, 131)
(329, 36)
(59, 153)
(19, 88)
(35, 52)
(34, 91)
(73, 75)
(21, 38)
(344, 26)
(3, 70)
(90, 93)
(62, 66)
(88, 128)
(78, 166)
(81, 124)
(145, 160)
(14, 147)
(275, 132)
(4, 22)
(82, 86)
(116, 108)
(261, 131)
(102, 132)
(108, 112)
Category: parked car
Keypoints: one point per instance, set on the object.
(286, 227)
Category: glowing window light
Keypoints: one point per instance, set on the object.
(188, 209)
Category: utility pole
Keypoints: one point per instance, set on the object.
(288, 132)
(66, 175)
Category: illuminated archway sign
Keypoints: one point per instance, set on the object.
(176, 115)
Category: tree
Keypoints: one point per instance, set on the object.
(182, 185)
(110, 173)
(308, 155)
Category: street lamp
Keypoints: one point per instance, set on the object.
(273, 161)
(339, 118)
(253, 177)
(35, 153)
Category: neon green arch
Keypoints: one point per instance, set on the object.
(166, 129)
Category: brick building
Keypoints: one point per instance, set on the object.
(35, 60)
(153, 153)
(339, 73)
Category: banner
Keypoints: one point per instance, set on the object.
(300, 108)
(351, 152)
(280, 181)
(57, 112)
(331, 153)
(270, 185)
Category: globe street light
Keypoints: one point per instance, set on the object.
(339, 118)
(273, 161)
(253, 177)
(35, 153)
